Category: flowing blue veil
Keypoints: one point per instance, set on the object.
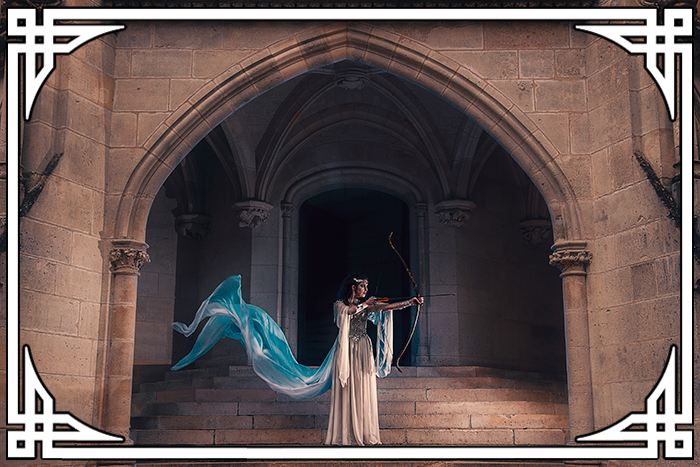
(266, 346)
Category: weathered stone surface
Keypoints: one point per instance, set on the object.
(161, 63)
(525, 35)
(536, 63)
(493, 65)
(552, 95)
(141, 94)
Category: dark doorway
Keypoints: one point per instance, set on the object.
(341, 232)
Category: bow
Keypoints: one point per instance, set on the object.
(415, 288)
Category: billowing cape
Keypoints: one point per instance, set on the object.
(267, 348)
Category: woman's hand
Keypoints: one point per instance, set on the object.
(417, 300)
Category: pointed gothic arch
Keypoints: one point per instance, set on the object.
(216, 100)
(317, 47)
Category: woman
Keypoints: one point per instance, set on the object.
(348, 368)
(354, 418)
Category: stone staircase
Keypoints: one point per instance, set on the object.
(231, 405)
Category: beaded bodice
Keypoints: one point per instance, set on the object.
(358, 325)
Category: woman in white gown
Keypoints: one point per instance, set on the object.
(354, 418)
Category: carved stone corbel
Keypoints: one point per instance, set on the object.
(287, 209)
(128, 256)
(454, 212)
(571, 258)
(194, 226)
(252, 213)
(535, 231)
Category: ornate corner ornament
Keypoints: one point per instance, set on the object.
(43, 424)
(454, 212)
(252, 213)
(128, 256)
(44, 41)
(658, 42)
(37, 36)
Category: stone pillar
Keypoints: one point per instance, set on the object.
(126, 257)
(572, 258)
(289, 319)
(423, 354)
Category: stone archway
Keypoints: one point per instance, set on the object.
(444, 77)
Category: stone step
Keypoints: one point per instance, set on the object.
(461, 371)
(320, 421)
(383, 394)
(249, 380)
(418, 406)
(313, 407)
(228, 437)
(315, 437)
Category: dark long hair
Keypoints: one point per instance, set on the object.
(345, 291)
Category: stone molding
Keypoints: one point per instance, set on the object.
(421, 209)
(571, 258)
(127, 256)
(454, 212)
(535, 231)
(252, 213)
(194, 226)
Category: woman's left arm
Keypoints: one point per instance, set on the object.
(398, 305)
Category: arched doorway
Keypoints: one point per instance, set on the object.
(555, 189)
(345, 231)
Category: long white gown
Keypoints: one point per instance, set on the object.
(354, 418)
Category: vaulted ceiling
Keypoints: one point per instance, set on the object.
(341, 116)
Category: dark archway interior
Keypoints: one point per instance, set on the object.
(507, 311)
(346, 231)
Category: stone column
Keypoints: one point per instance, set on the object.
(126, 257)
(423, 355)
(289, 322)
(572, 258)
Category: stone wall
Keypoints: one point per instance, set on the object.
(64, 278)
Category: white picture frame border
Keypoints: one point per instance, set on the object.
(671, 427)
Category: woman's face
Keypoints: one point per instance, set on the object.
(360, 289)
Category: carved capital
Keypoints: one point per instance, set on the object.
(252, 213)
(352, 79)
(535, 231)
(571, 258)
(128, 256)
(421, 209)
(194, 226)
(454, 212)
(287, 209)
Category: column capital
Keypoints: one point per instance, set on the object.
(194, 226)
(252, 213)
(535, 231)
(127, 256)
(454, 212)
(421, 209)
(571, 257)
(287, 209)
